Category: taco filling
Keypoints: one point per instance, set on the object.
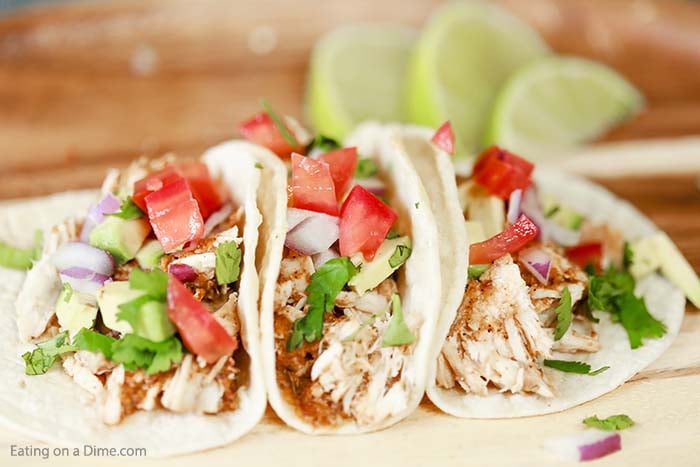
(539, 273)
(341, 339)
(147, 311)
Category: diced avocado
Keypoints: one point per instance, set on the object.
(390, 255)
(121, 237)
(109, 297)
(646, 257)
(75, 310)
(150, 254)
(677, 269)
(563, 215)
(475, 232)
(154, 323)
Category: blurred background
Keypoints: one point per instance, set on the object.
(93, 84)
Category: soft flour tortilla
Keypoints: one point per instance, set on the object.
(665, 301)
(53, 408)
(421, 272)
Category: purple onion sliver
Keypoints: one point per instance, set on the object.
(78, 273)
(538, 262)
(183, 272)
(598, 449)
(313, 235)
(514, 206)
(107, 205)
(81, 255)
(373, 185)
(296, 216)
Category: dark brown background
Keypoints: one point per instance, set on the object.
(71, 103)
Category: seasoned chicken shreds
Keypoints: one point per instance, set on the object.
(496, 339)
(338, 378)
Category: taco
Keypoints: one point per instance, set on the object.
(561, 302)
(137, 325)
(350, 282)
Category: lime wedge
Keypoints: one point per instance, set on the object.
(557, 102)
(464, 55)
(357, 74)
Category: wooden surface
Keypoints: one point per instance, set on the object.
(90, 86)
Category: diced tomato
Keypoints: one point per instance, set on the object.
(153, 182)
(585, 254)
(512, 239)
(204, 188)
(494, 152)
(364, 223)
(342, 163)
(444, 138)
(200, 331)
(501, 179)
(260, 129)
(174, 215)
(312, 185)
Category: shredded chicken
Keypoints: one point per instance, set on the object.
(348, 374)
(496, 339)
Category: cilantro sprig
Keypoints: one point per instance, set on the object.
(128, 210)
(397, 333)
(564, 316)
(324, 286)
(228, 263)
(366, 168)
(611, 423)
(323, 144)
(400, 256)
(580, 368)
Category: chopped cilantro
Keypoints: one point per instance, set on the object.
(366, 168)
(417, 205)
(258, 165)
(613, 291)
(39, 360)
(392, 234)
(154, 283)
(284, 131)
(323, 144)
(580, 368)
(325, 284)
(627, 256)
(564, 315)
(68, 292)
(131, 312)
(552, 211)
(94, 342)
(476, 270)
(612, 423)
(397, 333)
(228, 263)
(128, 210)
(137, 352)
(400, 255)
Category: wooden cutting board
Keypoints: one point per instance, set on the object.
(89, 86)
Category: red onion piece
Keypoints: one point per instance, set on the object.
(84, 256)
(297, 216)
(584, 446)
(549, 230)
(538, 262)
(83, 280)
(96, 215)
(217, 218)
(183, 272)
(373, 185)
(321, 258)
(514, 206)
(313, 235)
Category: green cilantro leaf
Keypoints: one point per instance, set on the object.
(322, 143)
(128, 210)
(612, 423)
(400, 255)
(627, 256)
(417, 205)
(154, 283)
(137, 352)
(580, 368)
(284, 131)
(366, 168)
(476, 270)
(131, 312)
(392, 234)
(397, 333)
(228, 263)
(325, 284)
(39, 360)
(613, 291)
(564, 315)
(258, 165)
(94, 342)
(552, 211)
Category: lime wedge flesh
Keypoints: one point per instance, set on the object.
(558, 102)
(357, 74)
(464, 55)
